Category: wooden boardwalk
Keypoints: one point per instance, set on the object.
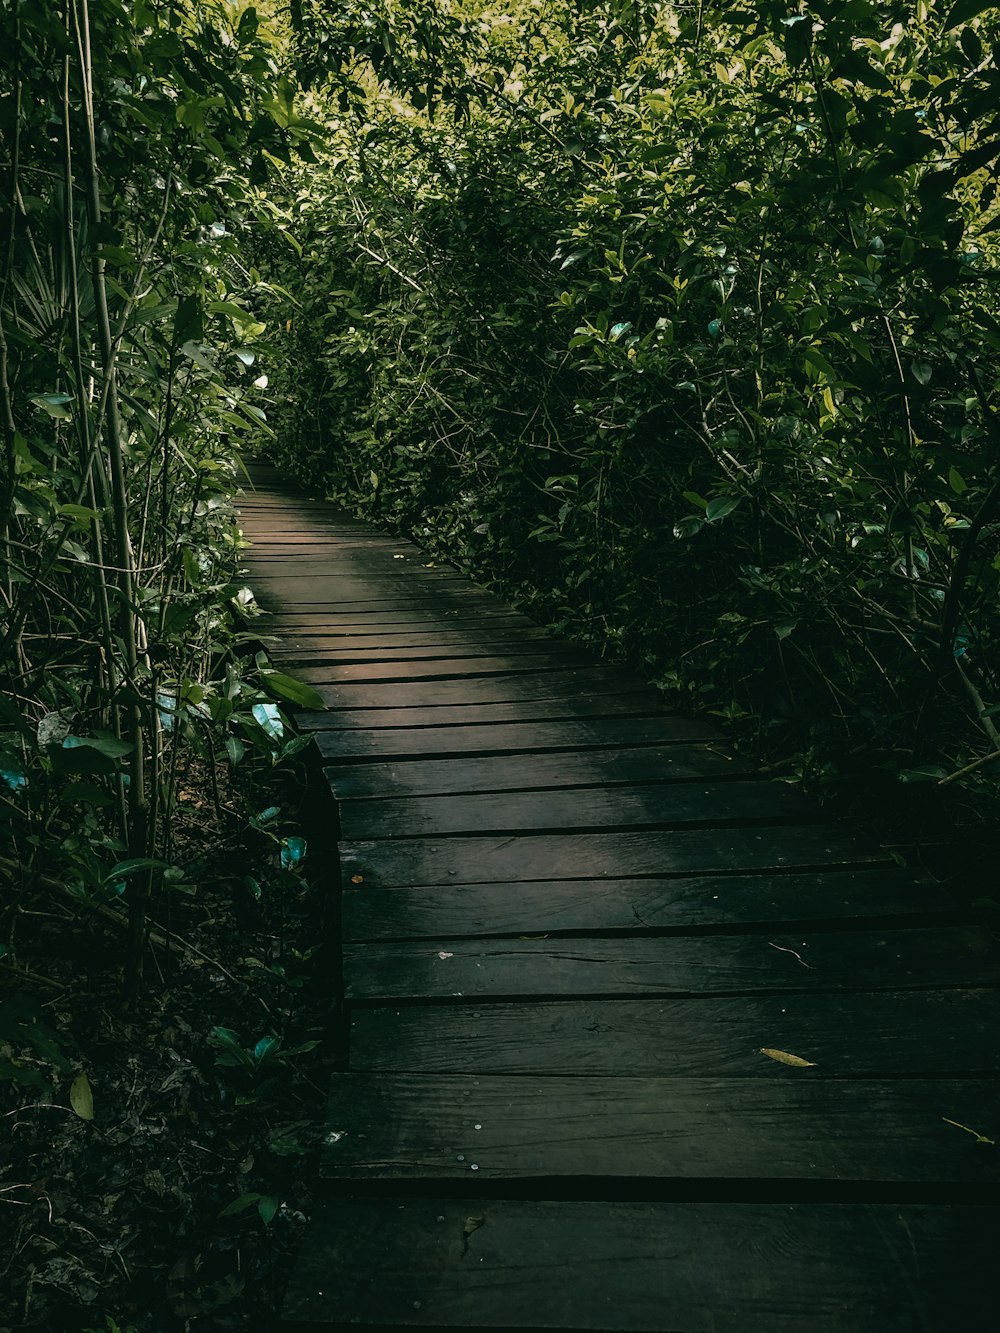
(573, 926)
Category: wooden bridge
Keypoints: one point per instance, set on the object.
(637, 1040)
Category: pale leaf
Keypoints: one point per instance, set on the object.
(784, 1058)
(81, 1098)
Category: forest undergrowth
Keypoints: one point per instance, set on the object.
(160, 1159)
(678, 326)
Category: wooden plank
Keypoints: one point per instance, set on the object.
(467, 602)
(415, 861)
(264, 520)
(850, 1034)
(308, 535)
(443, 667)
(896, 959)
(565, 770)
(408, 619)
(280, 550)
(634, 905)
(451, 648)
(587, 685)
(545, 711)
(374, 567)
(326, 589)
(647, 1267)
(420, 1126)
(639, 805)
(529, 736)
(356, 594)
(433, 636)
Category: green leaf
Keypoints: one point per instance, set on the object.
(720, 507)
(132, 867)
(107, 745)
(295, 691)
(241, 1205)
(268, 1207)
(188, 321)
(818, 364)
(81, 1098)
(963, 11)
(194, 352)
(922, 371)
(79, 513)
(265, 1047)
(55, 404)
(957, 482)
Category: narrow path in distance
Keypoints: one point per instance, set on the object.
(638, 1041)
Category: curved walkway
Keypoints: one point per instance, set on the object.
(638, 1041)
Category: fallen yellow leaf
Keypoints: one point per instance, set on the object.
(784, 1058)
(81, 1098)
(357, 879)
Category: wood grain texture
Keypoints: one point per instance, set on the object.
(320, 648)
(564, 771)
(391, 640)
(436, 911)
(638, 805)
(489, 738)
(894, 959)
(586, 685)
(421, 1126)
(373, 567)
(541, 711)
(438, 668)
(388, 863)
(354, 597)
(647, 1267)
(408, 620)
(853, 1034)
(467, 603)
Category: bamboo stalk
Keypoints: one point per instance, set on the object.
(134, 728)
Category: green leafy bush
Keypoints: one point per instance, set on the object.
(678, 324)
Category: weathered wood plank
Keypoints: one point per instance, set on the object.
(565, 770)
(438, 667)
(639, 805)
(435, 1127)
(373, 568)
(439, 910)
(297, 546)
(416, 861)
(340, 588)
(443, 597)
(850, 1034)
(578, 686)
(467, 634)
(541, 711)
(444, 647)
(647, 1267)
(528, 736)
(896, 959)
(408, 619)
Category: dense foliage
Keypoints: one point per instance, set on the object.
(133, 136)
(152, 1127)
(678, 322)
